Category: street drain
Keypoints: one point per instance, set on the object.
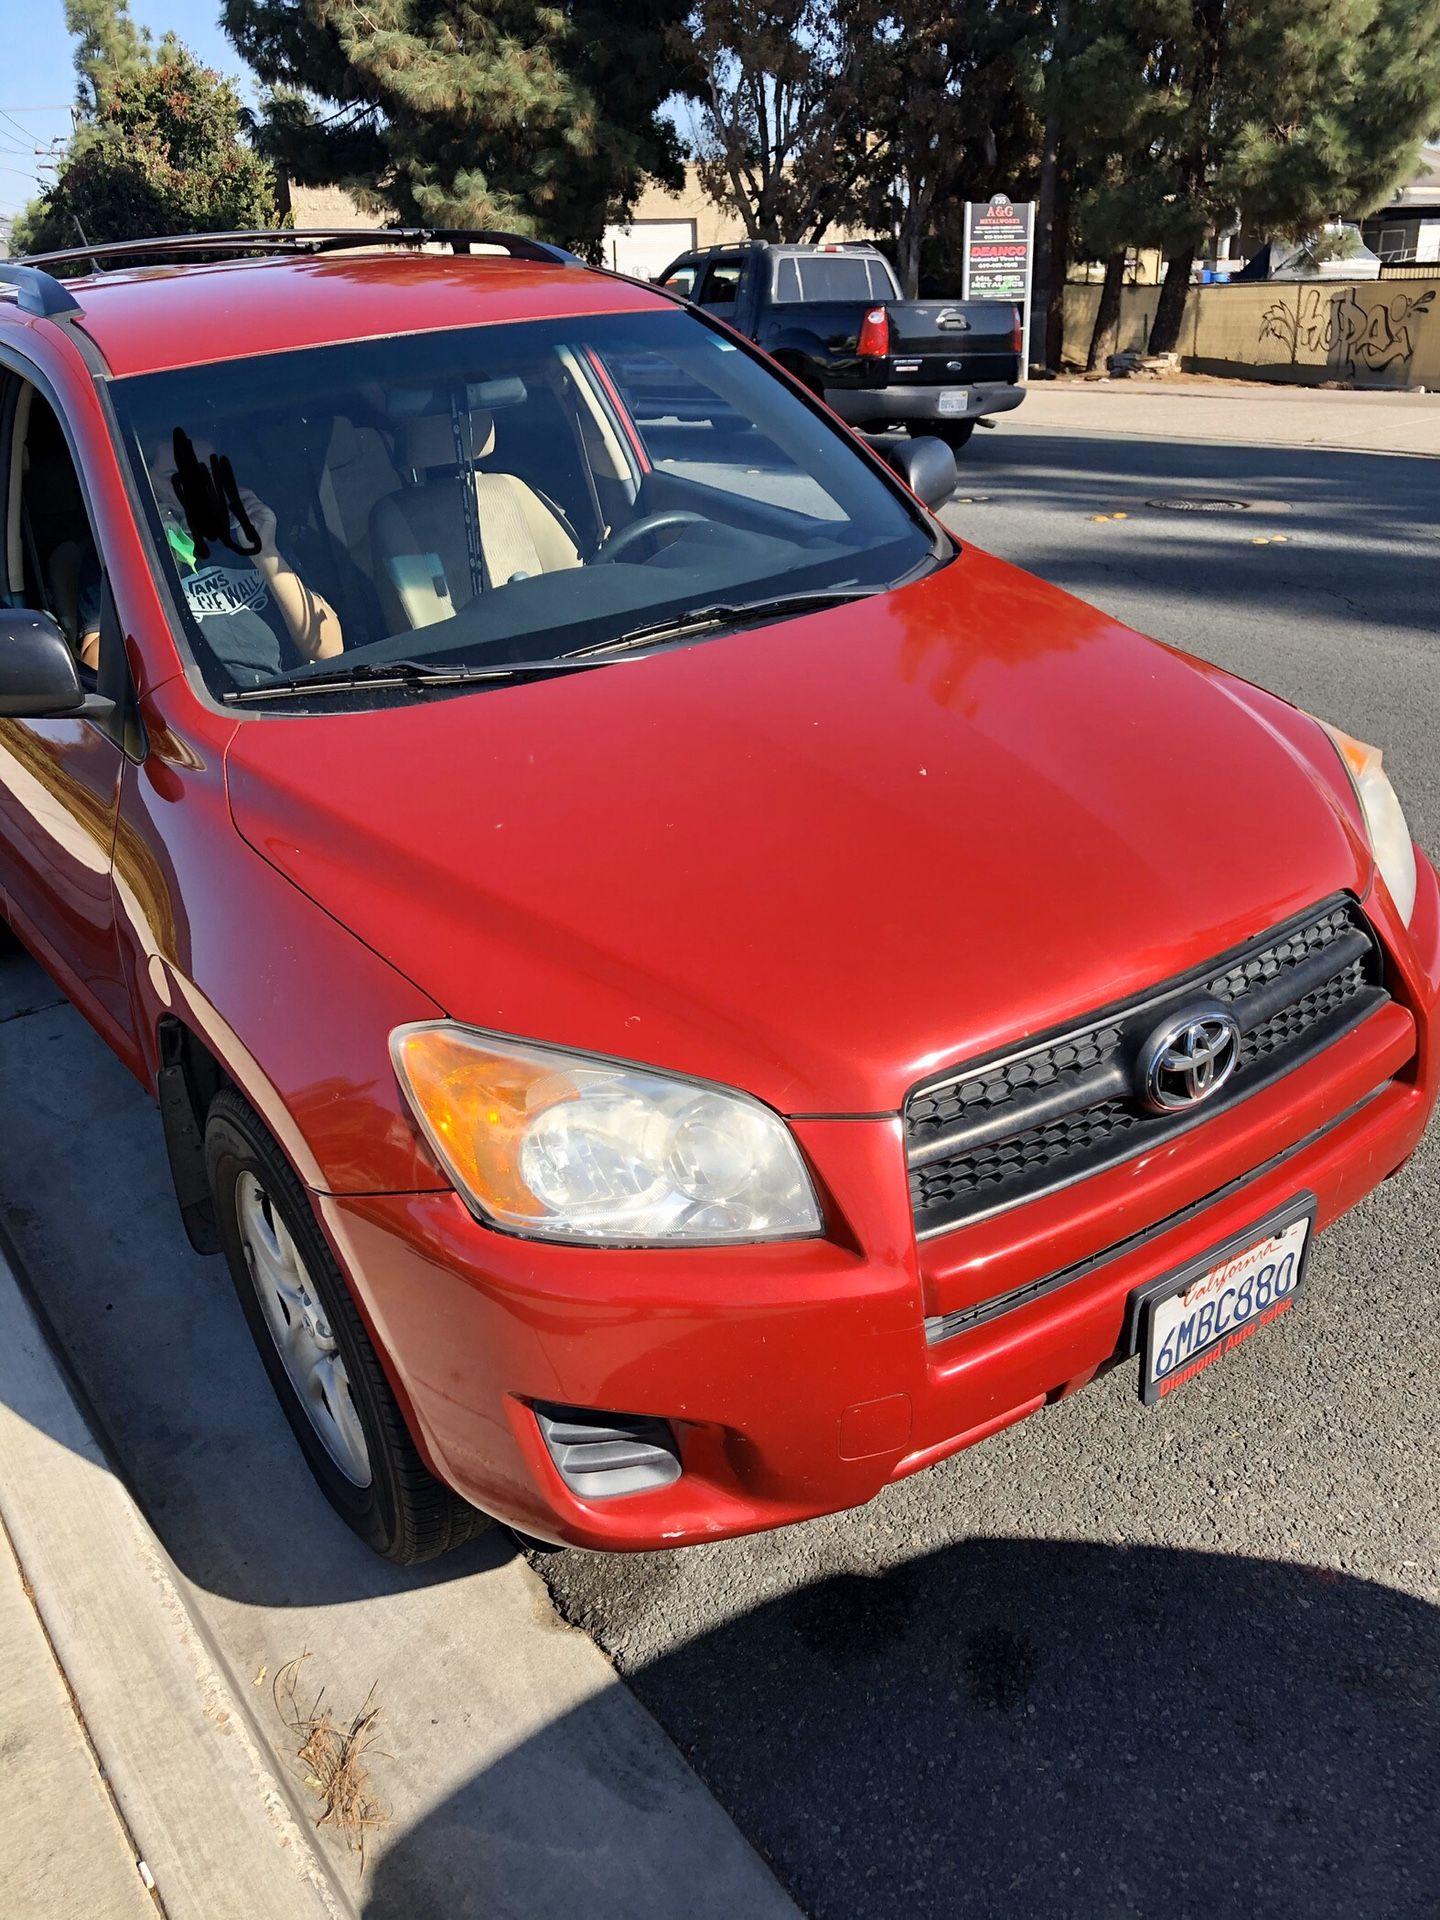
(1183, 503)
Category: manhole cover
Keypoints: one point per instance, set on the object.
(1189, 504)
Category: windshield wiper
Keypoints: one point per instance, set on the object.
(724, 613)
(405, 674)
(420, 676)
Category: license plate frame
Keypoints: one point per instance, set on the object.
(953, 400)
(1146, 1301)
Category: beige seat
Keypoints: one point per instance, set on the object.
(422, 556)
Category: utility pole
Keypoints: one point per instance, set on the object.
(48, 158)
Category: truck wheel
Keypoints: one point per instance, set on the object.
(954, 433)
(325, 1372)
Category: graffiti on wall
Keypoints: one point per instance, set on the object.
(1358, 331)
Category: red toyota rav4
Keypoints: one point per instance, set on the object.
(683, 991)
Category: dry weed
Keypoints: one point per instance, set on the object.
(335, 1757)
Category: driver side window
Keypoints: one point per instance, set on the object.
(52, 562)
(721, 285)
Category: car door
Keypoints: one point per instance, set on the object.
(60, 778)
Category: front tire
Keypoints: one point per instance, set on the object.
(314, 1346)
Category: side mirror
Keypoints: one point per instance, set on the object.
(37, 669)
(927, 466)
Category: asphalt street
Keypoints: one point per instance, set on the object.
(1120, 1662)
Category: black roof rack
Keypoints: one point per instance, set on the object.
(38, 292)
(297, 240)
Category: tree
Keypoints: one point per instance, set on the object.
(1290, 114)
(161, 153)
(514, 113)
(781, 138)
(879, 114)
(110, 47)
(1120, 108)
(944, 113)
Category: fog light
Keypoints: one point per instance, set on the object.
(600, 1456)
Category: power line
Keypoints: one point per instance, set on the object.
(24, 132)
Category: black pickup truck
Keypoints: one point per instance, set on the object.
(834, 316)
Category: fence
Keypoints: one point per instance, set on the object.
(1373, 333)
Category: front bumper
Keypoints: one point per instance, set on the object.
(869, 406)
(802, 1378)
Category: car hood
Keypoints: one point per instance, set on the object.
(819, 859)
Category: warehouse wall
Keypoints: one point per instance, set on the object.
(1380, 333)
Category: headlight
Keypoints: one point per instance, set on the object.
(1384, 817)
(566, 1147)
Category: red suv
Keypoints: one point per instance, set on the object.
(683, 991)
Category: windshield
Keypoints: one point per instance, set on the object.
(502, 494)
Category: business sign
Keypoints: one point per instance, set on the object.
(999, 256)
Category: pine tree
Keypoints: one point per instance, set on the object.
(513, 113)
(1120, 113)
(1290, 114)
(110, 47)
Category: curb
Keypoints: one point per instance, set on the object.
(191, 1782)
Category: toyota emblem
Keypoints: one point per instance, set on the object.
(1189, 1059)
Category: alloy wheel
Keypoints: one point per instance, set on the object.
(299, 1324)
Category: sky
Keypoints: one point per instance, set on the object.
(37, 79)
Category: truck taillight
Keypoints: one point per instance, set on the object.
(1017, 332)
(874, 341)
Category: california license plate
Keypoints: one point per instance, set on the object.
(955, 400)
(1191, 1319)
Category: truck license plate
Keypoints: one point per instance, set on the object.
(1194, 1318)
(955, 400)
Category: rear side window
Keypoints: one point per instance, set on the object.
(721, 284)
(832, 276)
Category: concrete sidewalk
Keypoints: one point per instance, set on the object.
(121, 1739)
(1248, 412)
(84, 1862)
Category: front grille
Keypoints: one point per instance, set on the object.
(1009, 1128)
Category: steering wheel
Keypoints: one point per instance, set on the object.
(614, 544)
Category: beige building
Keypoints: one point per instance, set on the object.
(666, 224)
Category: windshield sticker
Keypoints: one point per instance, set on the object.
(216, 590)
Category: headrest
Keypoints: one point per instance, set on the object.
(428, 440)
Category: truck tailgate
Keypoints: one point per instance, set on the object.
(936, 343)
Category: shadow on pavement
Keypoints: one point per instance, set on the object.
(1098, 1732)
(153, 1333)
(1345, 518)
